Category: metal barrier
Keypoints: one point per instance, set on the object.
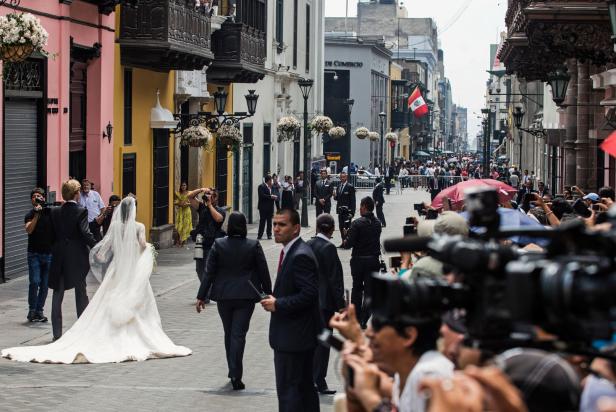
(367, 182)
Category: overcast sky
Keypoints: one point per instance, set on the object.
(466, 30)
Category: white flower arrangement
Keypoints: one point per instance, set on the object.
(287, 127)
(391, 136)
(362, 132)
(229, 136)
(321, 124)
(336, 132)
(196, 136)
(374, 136)
(21, 34)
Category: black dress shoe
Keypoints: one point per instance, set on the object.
(326, 391)
(39, 317)
(269, 238)
(31, 316)
(259, 238)
(237, 384)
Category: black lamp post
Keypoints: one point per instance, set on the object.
(350, 103)
(559, 81)
(220, 100)
(518, 115)
(382, 116)
(305, 86)
(251, 102)
(486, 142)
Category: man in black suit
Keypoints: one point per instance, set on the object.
(331, 291)
(295, 317)
(265, 204)
(345, 197)
(388, 173)
(70, 253)
(323, 194)
(379, 199)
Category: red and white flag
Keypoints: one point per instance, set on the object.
(417, 103)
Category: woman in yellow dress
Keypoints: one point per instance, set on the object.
(183, 216)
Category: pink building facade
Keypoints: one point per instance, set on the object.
(55, 115)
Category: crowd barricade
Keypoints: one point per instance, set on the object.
(367, 182)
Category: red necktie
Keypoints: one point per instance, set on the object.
(280, 260)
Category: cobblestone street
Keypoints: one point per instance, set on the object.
(197, 382)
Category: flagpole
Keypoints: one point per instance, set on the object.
(346, 16)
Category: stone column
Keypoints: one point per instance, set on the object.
(570, 125)
(583, 123)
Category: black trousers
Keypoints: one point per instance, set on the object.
(321, 354)
(95, 228)
(322, 208)
(235, 315)
(200, 265)
(81, 302)
(387, 185)
(294, 385)
(265, 218)
(341, 225)
(380, 215)
(362, 268)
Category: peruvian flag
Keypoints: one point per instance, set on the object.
(609, 145)
(417, 103)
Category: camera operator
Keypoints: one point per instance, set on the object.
(365, 238)
(40, 239)
(345, 204)
(114, 201)
(211, 218)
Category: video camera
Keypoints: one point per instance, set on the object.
(508, 293)
(346, 215)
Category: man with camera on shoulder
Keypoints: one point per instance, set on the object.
(345, 204)
(211, 218)
(40, 238)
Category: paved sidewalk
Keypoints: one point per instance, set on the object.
(195, 382)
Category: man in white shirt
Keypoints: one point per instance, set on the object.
(93, 202)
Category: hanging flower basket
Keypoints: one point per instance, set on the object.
(321, 124)
(230, 136)
(337, 132)
(196, 136)
(392, 137)
(374, 136)
(21, 34)
(362, 132)
(287, 127)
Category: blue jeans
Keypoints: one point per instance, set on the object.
(38, 267)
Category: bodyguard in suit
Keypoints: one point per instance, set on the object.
(323, 193)
(388, 173)
(331, 291)
(228, 277)
(295, 317)
(379, 200)
(345, 196)
(70, 251)
(265, 204)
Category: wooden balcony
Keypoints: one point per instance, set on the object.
(239, 52)
(165, 35)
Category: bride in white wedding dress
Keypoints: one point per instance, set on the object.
(121, 323)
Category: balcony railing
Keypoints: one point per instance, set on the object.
(239, 52)
(399, 119)
(165, 35)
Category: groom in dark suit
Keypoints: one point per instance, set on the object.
(70, 253)
(295, 317)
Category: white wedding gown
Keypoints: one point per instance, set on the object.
(121, 322)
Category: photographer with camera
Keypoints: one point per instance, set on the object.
(114, 201)
(40, 238)
(345, 204)
(365, 238)
(211, 218)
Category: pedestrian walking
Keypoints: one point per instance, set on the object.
(40, 239)
(294, 324)
(92, 201)
(70, 253)
(345, 203)
(379, 200)
(365, 239)
(230, 280)
(323, 194)
(265, 204)
(331, 292)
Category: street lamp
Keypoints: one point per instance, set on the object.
(518, 115)
(382, 116)
(305, 86)
(350, 103)
(486, 142)
(558, 81)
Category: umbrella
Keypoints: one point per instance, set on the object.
(456, 192)
(421, 153)
(515, 219)
(452, 160)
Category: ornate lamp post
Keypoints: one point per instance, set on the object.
(559, 81)
(382, 116)
(486, 142)
(305, 86)
(518, 115)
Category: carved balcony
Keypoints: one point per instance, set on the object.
(542, 35)
(165, 35)
(399, 119)
(239, 52)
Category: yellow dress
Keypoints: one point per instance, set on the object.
(183, 217)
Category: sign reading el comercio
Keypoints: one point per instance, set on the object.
(337, 63)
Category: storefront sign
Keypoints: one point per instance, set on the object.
(337, 63)
(333, 157)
